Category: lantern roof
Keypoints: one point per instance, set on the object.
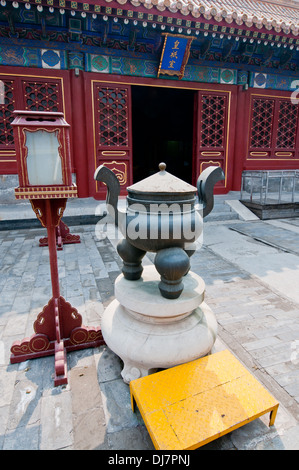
(42, 118)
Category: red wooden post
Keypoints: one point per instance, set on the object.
(52, 249)
(58, 327)
(60, 354)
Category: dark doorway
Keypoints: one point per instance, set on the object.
(162, 131)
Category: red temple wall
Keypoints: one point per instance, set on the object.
(243, 129)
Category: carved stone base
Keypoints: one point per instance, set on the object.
(146, 347)
(149, 332)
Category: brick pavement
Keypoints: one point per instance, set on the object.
(257, 321)
(259, 324)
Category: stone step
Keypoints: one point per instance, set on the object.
(221, 211)
(219, 216)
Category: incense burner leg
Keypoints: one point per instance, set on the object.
(132, 371)
(132, 258)
(172, 264)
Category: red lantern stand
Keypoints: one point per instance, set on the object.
(63, 237)
(58, 327)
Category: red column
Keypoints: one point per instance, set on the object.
(79, 147)
(240, 137)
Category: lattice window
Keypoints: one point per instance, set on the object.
(41, 96)
(287, 124)
(113, 116)
(261, 124)
(6, 112)
(213, 121)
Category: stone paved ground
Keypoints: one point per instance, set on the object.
(258, 320)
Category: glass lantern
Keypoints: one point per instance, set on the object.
(43, 155)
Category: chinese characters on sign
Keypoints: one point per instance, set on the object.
(175, 55)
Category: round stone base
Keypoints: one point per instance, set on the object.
(145, 346)
(144, 298)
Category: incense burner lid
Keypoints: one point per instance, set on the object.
(162, 186)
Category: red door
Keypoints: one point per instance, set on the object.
(211, 133)
(111, 134)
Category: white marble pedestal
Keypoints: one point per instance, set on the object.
(149, 332)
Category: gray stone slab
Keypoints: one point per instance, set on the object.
(89, 426)
(3, 422)
(117, 406)
(25, 404)
(261, 343)
(131, 439)
(108, 364)
(252, 435)
(293, 221)
(286, 441)
(56, 419)
(274, 236)
(22, 438)
(7, 384)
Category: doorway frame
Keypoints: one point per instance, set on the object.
(92, 78)
(171, 109)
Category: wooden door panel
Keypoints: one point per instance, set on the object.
(112, 124)
(42, 94)
(211, 131)
(272, 128)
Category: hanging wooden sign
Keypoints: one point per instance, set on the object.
(175, 55)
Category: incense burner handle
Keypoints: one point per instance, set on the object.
(205, 187)
(105, 175)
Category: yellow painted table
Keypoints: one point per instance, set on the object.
(189, 405)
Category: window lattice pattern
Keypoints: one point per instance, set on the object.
(287, 123)
(6, 112)
(42, 96)
(262, 121)
(213, 121)
(113, 116)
